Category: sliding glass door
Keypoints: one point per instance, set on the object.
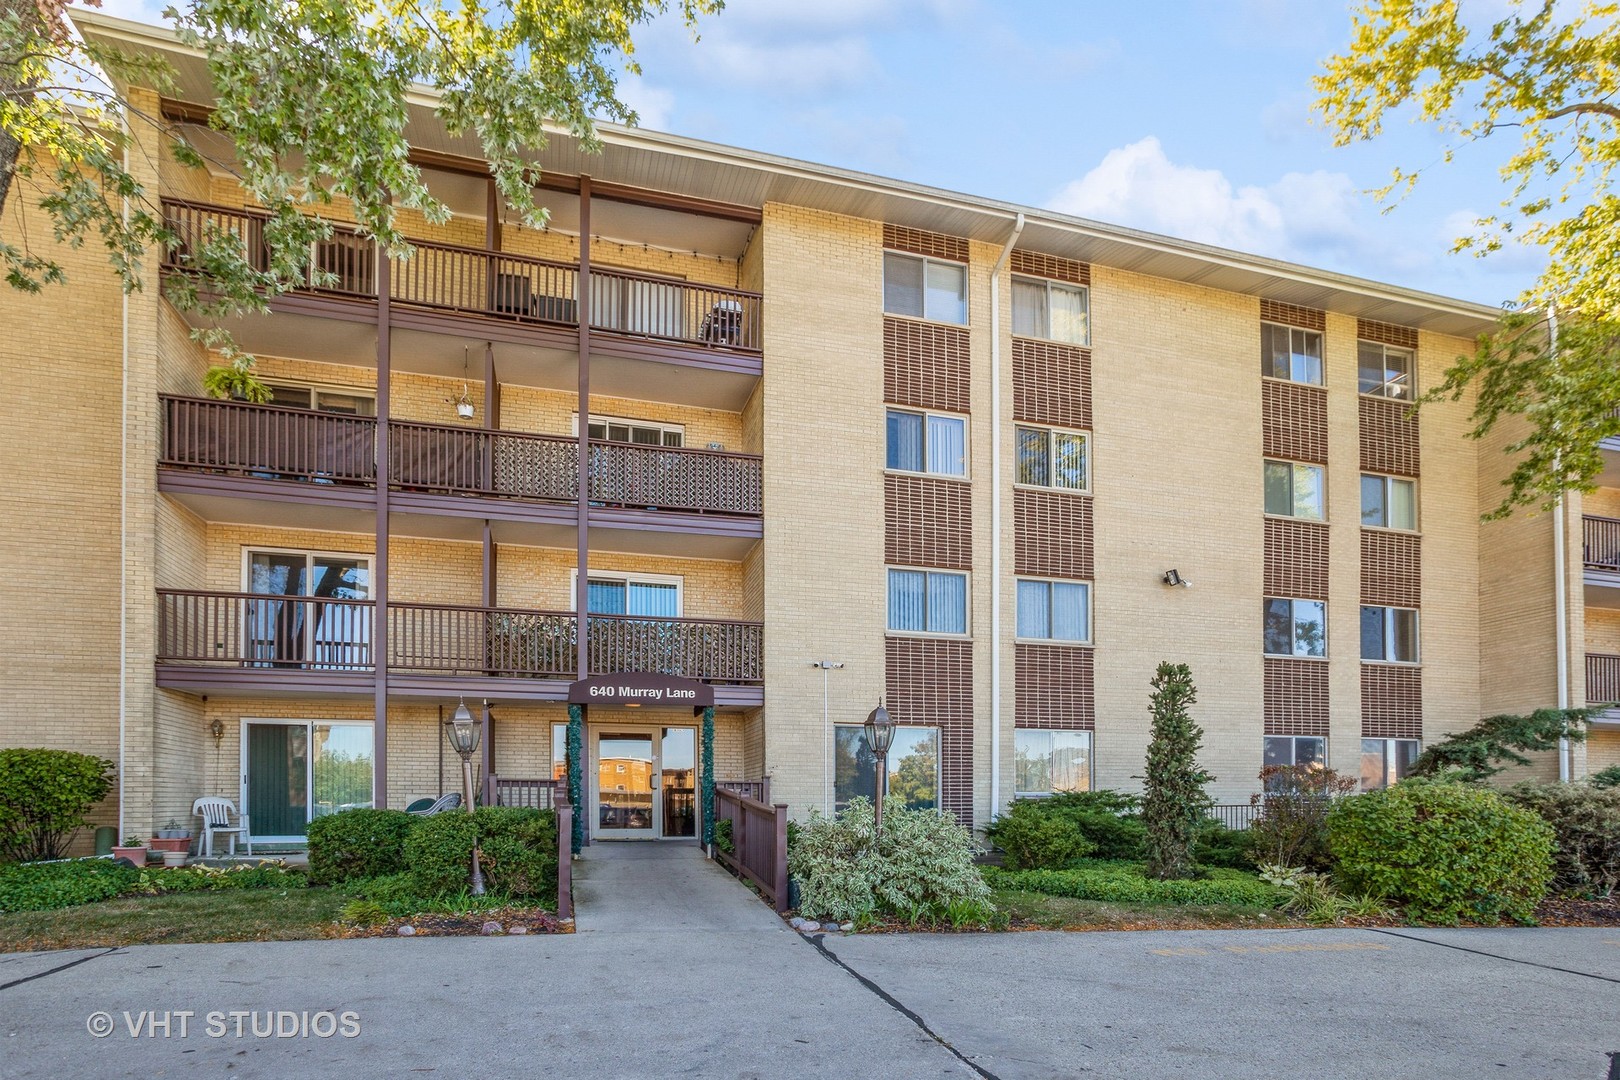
(309, 617)
(294, 771)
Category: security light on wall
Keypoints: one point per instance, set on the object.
(1174, 579)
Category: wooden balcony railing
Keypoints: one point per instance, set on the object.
(268, 441)
(1602, 679)
(1601, 537)
(274, 442)
(542, 794)
(474, 281)
(758, 843)
(314, 633)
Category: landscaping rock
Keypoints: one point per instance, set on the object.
(796, 922)
(518, 928)
(847, 927)
(405, 931)
(810, 926)
(490, 928)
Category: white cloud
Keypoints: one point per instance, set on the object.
(1316, 217)
(143, 11)
(790, 68)
(653, 105)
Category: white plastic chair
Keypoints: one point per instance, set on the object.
(216, 816)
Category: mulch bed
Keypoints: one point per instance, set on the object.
(1556, 912)
(471, 924)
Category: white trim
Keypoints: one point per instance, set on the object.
(1090, 627)
(315, 388)
(1390, 478)
(310, 555)
(1266, 599)
(1412, 372)
(1052, 429)
(1322, 360)
(1050, 284)
(308, 724)
(1293, 498)
(967, 290)
(1091, 758)
(967, 603)
(927, 414)
(627, 576)
(655, 732)
(1389, 635)
(657, 425)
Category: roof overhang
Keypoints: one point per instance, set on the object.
(635, 158)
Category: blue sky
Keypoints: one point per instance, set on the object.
(1189, 118)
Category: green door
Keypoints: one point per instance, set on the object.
(278, 779)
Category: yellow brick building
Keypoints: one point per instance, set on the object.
(842, 439)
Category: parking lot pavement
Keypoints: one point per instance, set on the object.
(1260, 1003)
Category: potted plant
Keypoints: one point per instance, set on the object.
(133, 849)
(175, 858)
(172, 838)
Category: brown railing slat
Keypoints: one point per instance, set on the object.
(1601, 539)
(1602, 679)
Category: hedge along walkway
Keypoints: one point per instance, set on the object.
(647, 885)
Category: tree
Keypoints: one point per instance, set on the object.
(1477, 754)
(1173, 799)
(313, 96)
(1546, 70)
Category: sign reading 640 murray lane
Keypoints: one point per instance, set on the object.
(641, 688)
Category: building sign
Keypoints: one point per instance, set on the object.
(641, 688)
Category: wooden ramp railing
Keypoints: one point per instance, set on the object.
(758, 841)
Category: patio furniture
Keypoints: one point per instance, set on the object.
(216, 817)
(723, 324)
(451, 801)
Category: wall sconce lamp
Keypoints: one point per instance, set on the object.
(217, 729)
(1174, 579)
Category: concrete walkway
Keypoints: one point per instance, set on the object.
(639, 886)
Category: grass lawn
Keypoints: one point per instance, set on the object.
(1037, 911)
(226, 915)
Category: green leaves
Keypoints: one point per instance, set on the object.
(1478, 753)
(44, 796)
(1173, 800)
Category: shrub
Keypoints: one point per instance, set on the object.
(1586, 822)
(920, 868)
(43, 886)
(1126, 883)
(1035, 836)
(357, 844)
(722, 836)
(1442, 851)
(518, 849)
(1231, 849)
(44, 796)
(1605, 778)
(1479, 752)
(1111, 820)
(1291, 829)
(1173, 800)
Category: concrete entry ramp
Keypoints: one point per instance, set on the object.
(650, 885)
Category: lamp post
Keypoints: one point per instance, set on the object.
(463, 736)
(879, 733)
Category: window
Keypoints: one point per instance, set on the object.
(1287, 352)
(924, 288)
(927, 443)
(913, 767)
(927, 601)
(1388, 502)
(323, 399)
(1048, 762)
(1051, 310)
(1054, 610)
(1308, 750)
(1386, 761)
(324, 630)
(1295, 627)
(1054, 459)
(1385, 370)
(651, 596)
(1389, 633)
(1294, 490)
(641, 432)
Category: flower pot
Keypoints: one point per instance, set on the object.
(174, 858)
(136, 855)
(182, 844)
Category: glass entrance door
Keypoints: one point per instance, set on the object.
(644, 782)
(296, 771)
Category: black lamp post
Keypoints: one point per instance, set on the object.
(463, 736)
(879, 733)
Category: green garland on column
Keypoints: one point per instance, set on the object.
(708, 775)
(576, 772)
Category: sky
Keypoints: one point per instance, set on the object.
(1189, 118)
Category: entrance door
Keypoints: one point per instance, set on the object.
(644, 784)
(296, 771)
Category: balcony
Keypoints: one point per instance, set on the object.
(251, 642)
(527, 302)
(1600, 540)
(1602, 679)
(216, 454)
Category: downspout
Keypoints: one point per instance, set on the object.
(995, 517)
(1560, 586)
(123, 521)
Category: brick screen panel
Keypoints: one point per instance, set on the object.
(1051, 383)
(1291, 315)
(1293, 421)
(1055, 687)
(1391, 569)
(1402, 337)
(930, 684)
(926, 366)
(1296, 696)
(1296, 563)
(1389, 438)
(1052, 534)
(1391, 702)
(923, 242)
(928, 522)
(1037, 264)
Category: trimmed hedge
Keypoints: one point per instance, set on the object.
(358, 844)
(1127, 883)
(1442, 851)
(45, 886)
(518, 850)
(1586, 821)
